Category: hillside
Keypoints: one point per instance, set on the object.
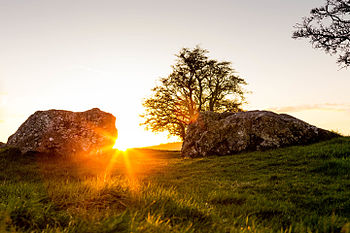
(294, 189)
(173, 146)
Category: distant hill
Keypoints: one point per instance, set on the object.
(175, 146)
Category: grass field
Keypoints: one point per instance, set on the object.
(294, 189)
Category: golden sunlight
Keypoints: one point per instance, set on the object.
(119, 145)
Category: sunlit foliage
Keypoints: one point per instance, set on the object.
(196, 83)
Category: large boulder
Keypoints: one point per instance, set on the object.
(229, 133)
(65, 133)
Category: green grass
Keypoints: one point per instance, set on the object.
(293, 189)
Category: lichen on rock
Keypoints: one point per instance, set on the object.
(229, 133)
(65, 132)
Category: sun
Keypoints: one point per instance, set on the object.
(120, 146)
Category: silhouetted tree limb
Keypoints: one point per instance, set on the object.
(195, 84)
(328, 28)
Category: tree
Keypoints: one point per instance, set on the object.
(195, 84)
(328, 28)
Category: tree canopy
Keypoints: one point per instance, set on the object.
(195, 84)
(328, 28)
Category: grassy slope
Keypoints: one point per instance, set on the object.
(298, 189)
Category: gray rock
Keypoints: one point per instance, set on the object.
(229, 133)
(64, 132)
(2, 145)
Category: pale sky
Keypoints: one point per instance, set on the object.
(77, 55)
